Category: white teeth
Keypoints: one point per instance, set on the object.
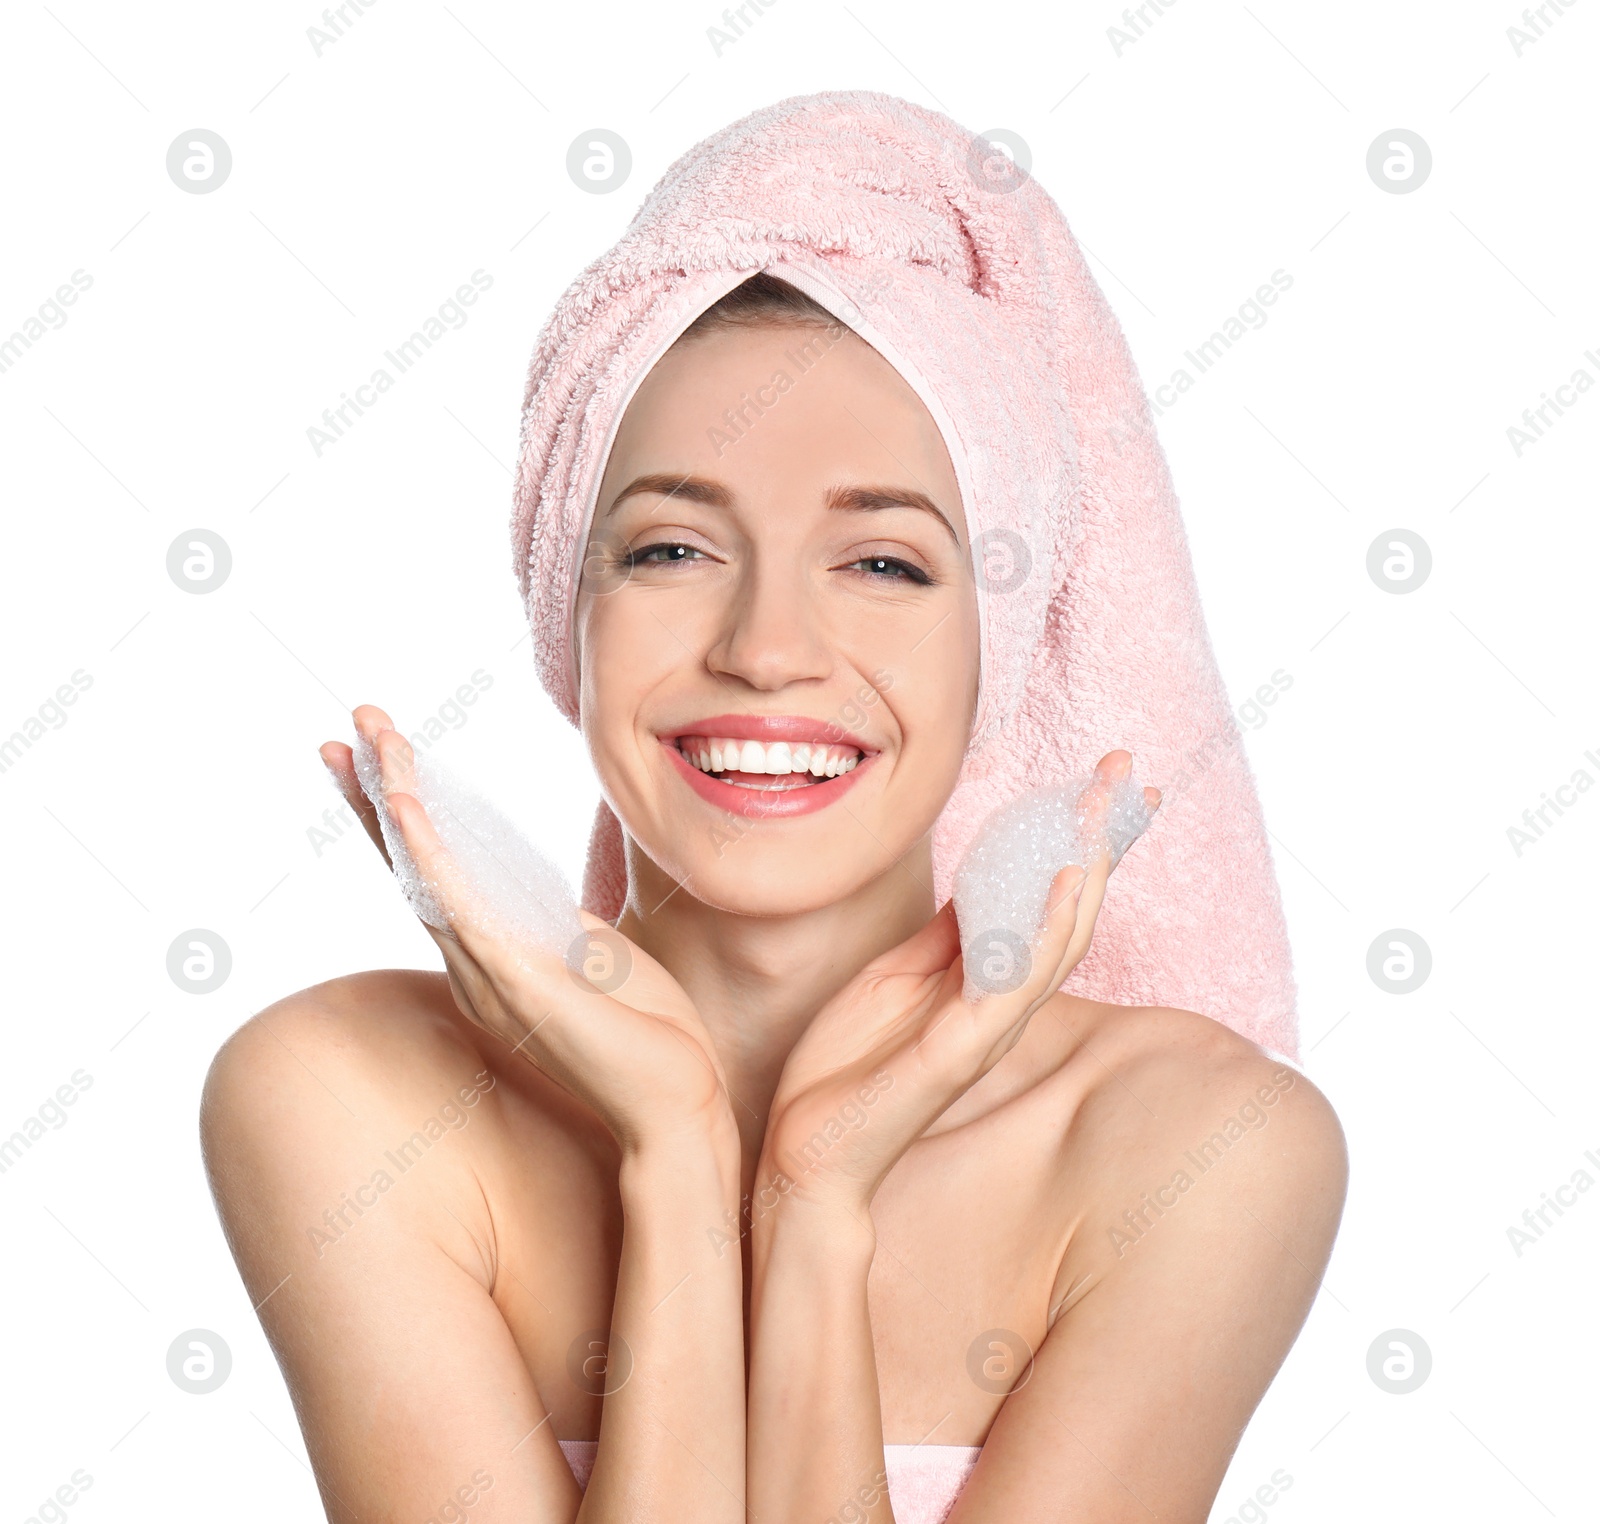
(716, 754)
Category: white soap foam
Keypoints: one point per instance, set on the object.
(514, 891)
(1004, 879)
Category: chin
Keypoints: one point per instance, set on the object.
(771, 868)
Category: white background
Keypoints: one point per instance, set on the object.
(429, 141)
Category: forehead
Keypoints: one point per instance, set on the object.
(782, 412)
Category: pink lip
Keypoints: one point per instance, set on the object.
(756, 804)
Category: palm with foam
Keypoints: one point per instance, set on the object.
(636, 1051)
(900, 1042)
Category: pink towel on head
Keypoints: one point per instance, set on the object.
(963, 273)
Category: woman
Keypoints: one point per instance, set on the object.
(758, 1215)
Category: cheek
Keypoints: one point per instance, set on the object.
(934, 697)
(619, 661)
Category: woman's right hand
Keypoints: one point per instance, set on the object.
(639, 1057)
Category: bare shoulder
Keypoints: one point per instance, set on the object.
(1202, 1181)
(1176, 1107)
(398, 1013)
(1156, 1072)
(322, 1101)
(352, 1135)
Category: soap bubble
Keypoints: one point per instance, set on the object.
(515, 892)
(1004, 880)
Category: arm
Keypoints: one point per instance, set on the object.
(1143, 1386)
(816, 1429)
(414, 1400)
(877, 1065)
(1139, 1393)
(377, 1299)
(405, 1375)
(676, 1347)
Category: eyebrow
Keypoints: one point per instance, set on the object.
(863, 499)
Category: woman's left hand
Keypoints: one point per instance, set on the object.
(898, 1044)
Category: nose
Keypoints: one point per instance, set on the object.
(772, 632)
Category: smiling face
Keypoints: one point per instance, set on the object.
(776, 623)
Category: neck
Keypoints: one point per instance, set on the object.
(757, 981)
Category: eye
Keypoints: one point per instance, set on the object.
(890, 569)
(647, 556)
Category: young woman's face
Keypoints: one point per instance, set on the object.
(797, 578)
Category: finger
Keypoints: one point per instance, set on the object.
(341, 764)
(1063, 886)
(1005, 1010)
(929, 949)
(369, 720)
(1086, 912)
(1110, 770)
(1071, 905)
(491, 956)
(397, 762)
(439, 870)
(1077, 893)
(1114, 765)
(474, 993)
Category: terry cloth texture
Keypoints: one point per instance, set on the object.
(961, 270)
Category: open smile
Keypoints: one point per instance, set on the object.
(767, 767)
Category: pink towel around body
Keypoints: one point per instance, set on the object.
(923, 1481)
(961, 270)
